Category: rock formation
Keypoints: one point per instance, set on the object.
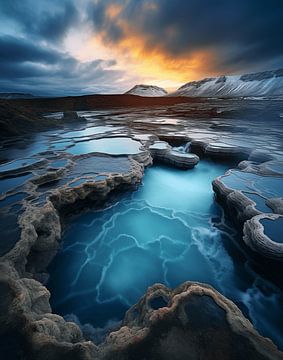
(163, 152)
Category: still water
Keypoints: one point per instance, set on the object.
(169, 231)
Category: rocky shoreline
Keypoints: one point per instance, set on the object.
(193, 319)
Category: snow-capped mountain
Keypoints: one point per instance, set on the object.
(267, 83)
(147, 90)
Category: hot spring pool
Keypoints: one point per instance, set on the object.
(169, 231)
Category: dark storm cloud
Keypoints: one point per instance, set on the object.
(243, 33)
(47, 19)
(32, 56)
(25, 66)
(20, 50)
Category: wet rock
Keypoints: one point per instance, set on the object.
(162, 151)
(40, 225)
(264, 166)
(222, 150)
(219, 150)
(192, 319)
(276, 204)
(255, 180)
(260, 156)
(71, 116)
(40, 232)
(262, 240)
(25, 309)
(167, 324)
(197, 321)
(249, 197)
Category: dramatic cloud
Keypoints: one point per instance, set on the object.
(71, 47)
(47, 19)
(24, 66)
(33, 57)
(238, 35)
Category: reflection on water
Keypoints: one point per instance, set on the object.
(112, 146)
(273, 229)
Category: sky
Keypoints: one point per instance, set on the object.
(74, 47)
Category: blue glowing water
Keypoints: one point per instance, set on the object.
(169, 231)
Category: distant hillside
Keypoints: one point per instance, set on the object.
(147, 90)
(91, 102)
(18, 116)
(8, 95)
(16, 120)
(267, 83)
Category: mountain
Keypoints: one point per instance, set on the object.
(147, 90)
(267, 83)
(8, 95)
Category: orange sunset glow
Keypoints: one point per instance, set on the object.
(109, 46)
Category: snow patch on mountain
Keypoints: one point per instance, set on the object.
(147, 90)
(267, 83)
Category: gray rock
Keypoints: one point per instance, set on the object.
(161, 151)
(256, 239)
(192, 320)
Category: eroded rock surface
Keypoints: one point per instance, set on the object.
(263, 233)
(253, 193)
(163, 152)
(192, 321)
(48, 182)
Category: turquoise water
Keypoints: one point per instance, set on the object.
(169, 231)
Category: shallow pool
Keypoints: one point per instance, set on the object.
(169, 231)
(273, 229)
(111, 146)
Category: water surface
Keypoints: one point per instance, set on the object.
(169, 231)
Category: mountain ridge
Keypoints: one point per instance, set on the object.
(146, 90)
(265, 83)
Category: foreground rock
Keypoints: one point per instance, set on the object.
(71, 116)
(161, 151)
(254, 196)
(191, 322)
(262, 234)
